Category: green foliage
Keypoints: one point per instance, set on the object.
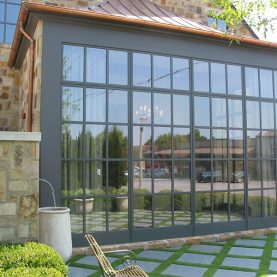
(32, 272)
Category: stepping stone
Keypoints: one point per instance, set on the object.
(146, 266)
(275, 244)
(242, 251)
(184, 271)
(241, 262)
(274, 254)
(196, 258)
(273, 266)
(263, 237)
(232, 273)
(91, 260)
(206, 248)
(249, 242)
(155, 254)
(174, 248)
(79, 272)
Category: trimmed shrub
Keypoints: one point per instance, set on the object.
(32, 272)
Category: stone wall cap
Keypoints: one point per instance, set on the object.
(20, 136)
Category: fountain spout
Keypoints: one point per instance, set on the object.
(52, 190)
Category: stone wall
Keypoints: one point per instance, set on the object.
(19, 186)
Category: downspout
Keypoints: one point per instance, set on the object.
(31, 75)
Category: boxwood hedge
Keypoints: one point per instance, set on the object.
(32, 272)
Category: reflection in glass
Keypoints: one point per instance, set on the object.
(237, 174)
(73, 63)
(236, 144)
(142, 107)
(235, 113)
(162, 108)
(72, 141)
(142, 173)
(117, 177)
(202, 111)
(9, 34)
(161, 70)
(253, 114)
(12, 12)
(218, 78)
(202, 143)
(180, 73)
(96, 105)
(76, 215)
(220, 175)
(254, 144)
(2, 10)
(95, 178)
(269, 203)
(266, 80)
(118, 142)
(162, 176)
(162, 210)
(118, 106)
(95, 141)
(269, 174)
(234, 79)
(181, 110)
(162, 142)
(252, 81)
(219, 113)
(142, 70)
(220, 149)
(268, 144)
(96, 217)
(220, 206)
(118, 67)
(267, 115)
(96, 65)
(275, 83)
(142, 142)
(254, 175)
(254, 203)
(72, 104)
(182, 211)
(237, 206)
(181, 174)
(181, 142)
(142, 211)
(203, 208)
(201, 76)
(203, 175)
(118, 213)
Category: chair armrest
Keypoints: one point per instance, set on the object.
(128, 259)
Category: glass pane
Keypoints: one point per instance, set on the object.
(220, 149)
(202, 143)
(254, 203)
(181, 142)
(76, 214)
(95, 178)
(268, 144)
(162, 142)
(236, 144)
(1, 33)
(142, 142)
(254, 175)
(252, 81)
(219, 113)
(203, 208)
(142, 177)
(118, 106)
(118, 67)
(220, 206)
(118, 213)
(142, 107)
(96, 141)
(96, 65)
(266, 79)
(162, 210)
(12, 13)
(181, 173)
(118, 142)
(237, 206)
(96, 215)
(235, 114)
(253, 114)
(2, 10)
(234, 79)
(269, 203)
(182, 211)
(254, 144)
(96, 105)
(72, 141)
(275, 83)
(72, 104)
(162, 108)
(72, 179)
(181, 110)
(202, 111)
(162, 176)
(201, 76)
(10, 30)
(218, 78)
(203, 175)
(73, 63)
(142, 70)
(237, 175)
(269, 176)
(180, 73)
(142, 211)
(267, 115)
(117, 177)
(161, 71)
(220, 175)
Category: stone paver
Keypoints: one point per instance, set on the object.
(233, 273)
(184, 271)
(148, 266)
(153, 254)
(241, 262)
(274, 254)
(243, 251)
(79, 272)
(250, 242)
(273, 265)
(91, 260)
(206, 248)
(196, 258)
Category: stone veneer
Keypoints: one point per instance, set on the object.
(19, 186)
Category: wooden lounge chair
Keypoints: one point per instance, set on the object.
(106, 267)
